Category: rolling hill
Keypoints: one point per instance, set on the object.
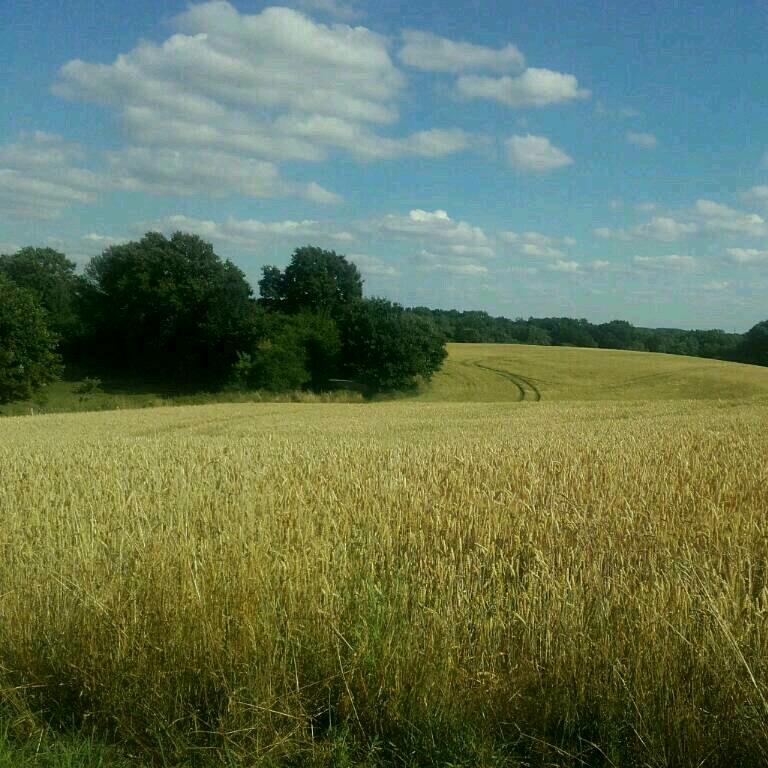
(513, 372)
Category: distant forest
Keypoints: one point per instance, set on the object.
(480, 327)
(170, 310)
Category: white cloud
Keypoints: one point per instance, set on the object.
(672, 261)
(102, 241)
(202, 172)
(274, 85)
(348, 11)
(534, 88)
(599, 265)
(249, 234)
(644, 140)
(318, 194)
(372, 265)
(663, 228)
(431, 53)
(535, 153)
(536, 244)
(716, 285)
(747, 255)
(646, 207)
(722, 218)
(759, 193)
(431, 261)
(436, 227)
(564, 266)
(39, 178)
(360, 141)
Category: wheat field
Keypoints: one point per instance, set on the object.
(398, 583)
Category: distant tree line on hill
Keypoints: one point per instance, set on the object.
(480, 327)
(169, 311)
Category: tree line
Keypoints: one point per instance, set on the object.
(480, 327)
(171, 312)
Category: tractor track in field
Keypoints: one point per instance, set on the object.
(527, 390)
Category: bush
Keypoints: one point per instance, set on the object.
(385, 347)
(28, 358)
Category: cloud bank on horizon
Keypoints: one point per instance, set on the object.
(458, 170)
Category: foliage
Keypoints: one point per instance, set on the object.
(480, 327)
(51, 276)
(290, 352)
(316, 281)
(169, 309)
(385, 347)
(755, 349)
(28, 359)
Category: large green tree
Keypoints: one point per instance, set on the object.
(51, 276)
(28, 358)
(385, 347)
(315, 281)
(755, 345)
(289, 352)
(169, 309)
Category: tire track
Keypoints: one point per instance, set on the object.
(527, 389)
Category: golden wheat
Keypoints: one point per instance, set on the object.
(551, 582)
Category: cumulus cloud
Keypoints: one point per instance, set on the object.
(564, 266)
(534, 88)
(722, 218)
(274, 85)
(663, 228)
(249, 234)
(435, 262)
(435, 227)
(535, 153)
(643, 140)
(759, 193)
(747, 255)
(40, 177)
(348, 11)
(159, 171)
(671, 261)
(536, 244)
(102, 241)
(425, 51)
(359, 140)
(372, 265)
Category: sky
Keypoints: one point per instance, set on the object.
(595, 159)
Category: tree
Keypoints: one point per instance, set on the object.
(50, 275)
(755, 346)
(289, 352)
(28, 357)
(169, 309)
(385, 347)
(315, 281)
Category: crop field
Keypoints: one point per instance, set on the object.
(401, 583)
(504, 372)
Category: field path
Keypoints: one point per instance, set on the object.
(527, 389)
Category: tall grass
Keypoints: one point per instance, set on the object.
(413, 584)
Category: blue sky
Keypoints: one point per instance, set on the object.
(599, 160)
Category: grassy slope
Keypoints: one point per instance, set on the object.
(503, 372)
